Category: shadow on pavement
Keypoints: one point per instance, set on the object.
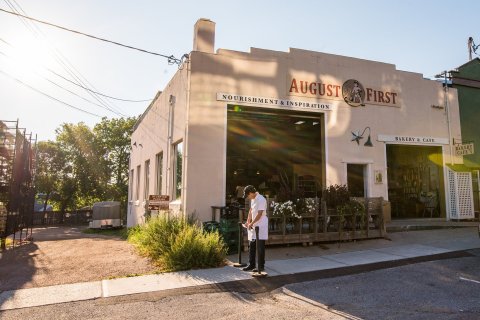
(17, 266)
(55, 233)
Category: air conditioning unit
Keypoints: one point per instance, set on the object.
(106, 214)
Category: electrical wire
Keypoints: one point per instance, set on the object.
(96, 92)
(62, 60)
(61, 87)
(49, 96)
(171, 59)
(78, 85)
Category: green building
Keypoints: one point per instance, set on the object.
(466, 79)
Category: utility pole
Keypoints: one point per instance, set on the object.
(470, 44)
(447, 110)
(444, 75)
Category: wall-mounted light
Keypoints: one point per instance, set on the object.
(135, 144)
(171, 100)
(357, 136)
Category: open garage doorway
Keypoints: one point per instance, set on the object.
(280, 152)
(415, 181)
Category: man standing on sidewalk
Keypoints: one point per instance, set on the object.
(257, 217)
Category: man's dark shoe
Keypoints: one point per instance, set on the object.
(248, 268)
(257, 270)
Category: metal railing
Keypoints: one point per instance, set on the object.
(78, 217)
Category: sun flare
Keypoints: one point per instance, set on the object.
(27, 55)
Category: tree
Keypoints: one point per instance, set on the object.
(86, 157)
(51, 164)
(84, 166)
(113, 137)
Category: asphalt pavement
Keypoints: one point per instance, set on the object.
(284, 265)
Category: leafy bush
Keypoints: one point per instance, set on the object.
(177, 244)
(286, 208)
(295, 208)
(336, 195)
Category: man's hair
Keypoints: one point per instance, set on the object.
(248, 189)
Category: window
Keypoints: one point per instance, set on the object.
(177, 169)
(158, 176)
(137, 191)
(130, 182)
(147, 180)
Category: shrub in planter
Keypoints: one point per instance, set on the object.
(352, 212)
(336, 195)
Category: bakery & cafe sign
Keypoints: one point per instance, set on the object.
(464, 149)
(351, 91)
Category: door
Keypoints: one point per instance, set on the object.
(356, 179)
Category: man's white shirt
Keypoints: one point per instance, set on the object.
(257, 204)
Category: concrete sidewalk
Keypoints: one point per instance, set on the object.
(280, 261)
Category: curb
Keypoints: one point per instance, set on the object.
(95, 290)
(405, 228)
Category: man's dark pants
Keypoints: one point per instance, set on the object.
(252, 250)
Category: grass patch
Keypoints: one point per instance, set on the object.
(117, 232)
(8, 242)
(176, 244)
(130, 275)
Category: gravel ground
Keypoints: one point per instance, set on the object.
(60, 255)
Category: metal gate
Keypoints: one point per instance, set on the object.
(460, 195)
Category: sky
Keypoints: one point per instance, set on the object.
(38, 63)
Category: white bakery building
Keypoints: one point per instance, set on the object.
(302, 120)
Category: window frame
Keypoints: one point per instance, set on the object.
(137, 191)
(158, 172)
(176, 186)
(146, 179)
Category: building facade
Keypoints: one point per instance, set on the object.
(466, 80)
(296, 121)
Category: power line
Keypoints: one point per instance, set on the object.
(101, 94)
(47, 95)
(60, 58)
(75, 94)
(171, 59)
(79, 85)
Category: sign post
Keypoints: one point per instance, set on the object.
(158, 202)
